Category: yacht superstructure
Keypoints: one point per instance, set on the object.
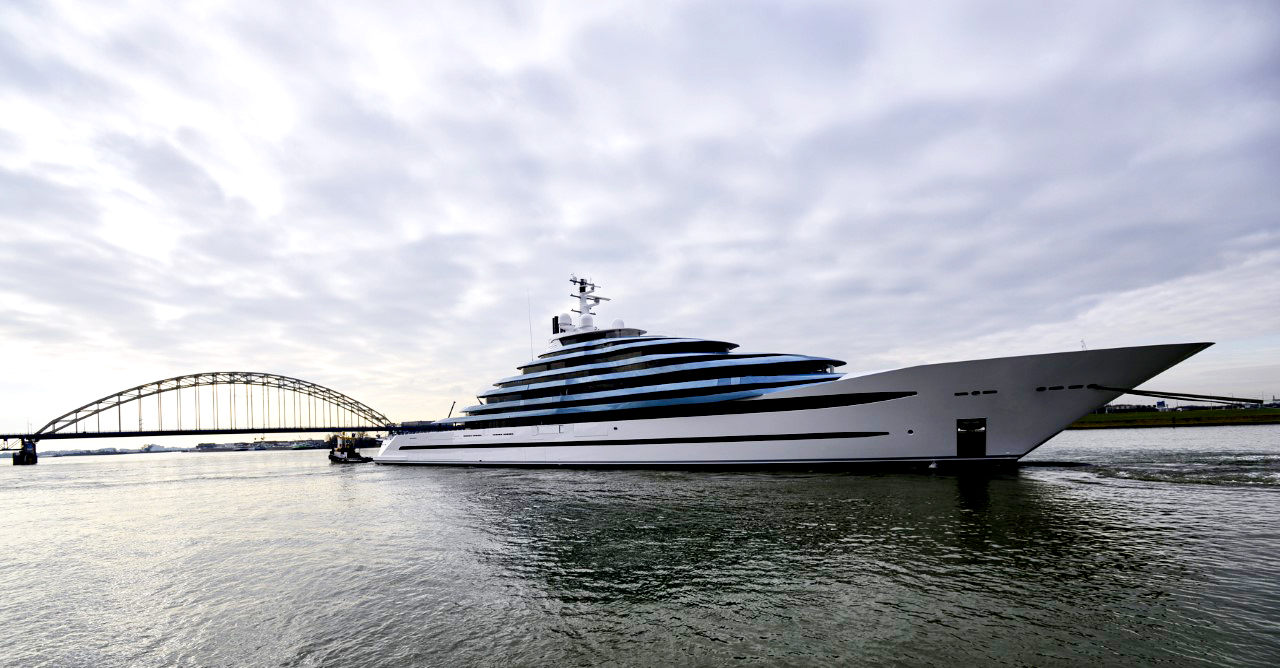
(617, 396)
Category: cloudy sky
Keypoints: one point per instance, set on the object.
(387, 197)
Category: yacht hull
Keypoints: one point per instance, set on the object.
(979, 411)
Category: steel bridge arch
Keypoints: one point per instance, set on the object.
(212, 379)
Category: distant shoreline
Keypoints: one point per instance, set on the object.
(273, 446)
(1197, 418)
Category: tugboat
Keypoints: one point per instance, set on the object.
(27, 455)
(346, 452)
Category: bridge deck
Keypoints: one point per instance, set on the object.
(194, 432)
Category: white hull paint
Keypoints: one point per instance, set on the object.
(919, 427)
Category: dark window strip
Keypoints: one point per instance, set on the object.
(734, 407)
(496, 409)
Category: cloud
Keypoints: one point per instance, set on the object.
(375, 195)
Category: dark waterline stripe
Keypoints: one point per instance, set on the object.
(715, 464)
(657, 441)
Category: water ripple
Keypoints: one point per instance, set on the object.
(280, 559)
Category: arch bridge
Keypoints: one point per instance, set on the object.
(217, 402)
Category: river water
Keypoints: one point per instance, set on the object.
(1166, 552)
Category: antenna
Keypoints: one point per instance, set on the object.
(586, 299)
(528, 304)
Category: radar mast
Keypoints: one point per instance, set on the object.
(587, 300)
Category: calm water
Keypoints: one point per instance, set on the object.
(1166, 553)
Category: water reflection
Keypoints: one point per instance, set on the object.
(895, 566)
(695, 537)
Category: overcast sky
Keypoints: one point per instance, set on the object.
(386, 197)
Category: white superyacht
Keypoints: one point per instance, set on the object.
(617, 397)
